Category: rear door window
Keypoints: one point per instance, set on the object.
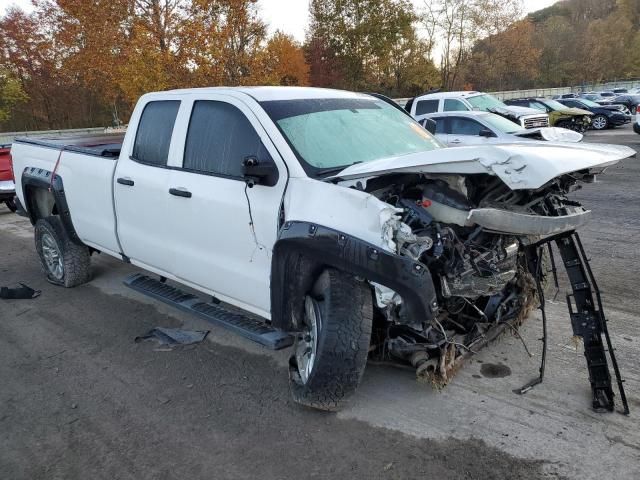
(464, 126)
(155, 129)
(441, 124)
(219, 139)
(453, 105)
(426, 106)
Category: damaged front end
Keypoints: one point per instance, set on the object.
(489, 251)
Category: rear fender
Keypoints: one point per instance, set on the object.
(44, 197)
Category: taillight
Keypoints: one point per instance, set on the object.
(638, 109)
(11, 166)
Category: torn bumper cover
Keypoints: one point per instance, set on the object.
(523, 224)
(506, 221)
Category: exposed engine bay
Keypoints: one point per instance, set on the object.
(488, 249)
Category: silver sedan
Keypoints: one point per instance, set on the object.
(483, 128)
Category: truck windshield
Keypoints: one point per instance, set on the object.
(485, 102)
(328, 135)
(554, 105)
(501, 123)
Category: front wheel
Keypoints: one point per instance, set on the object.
(600, 122)
(64, 262)
(330, 353)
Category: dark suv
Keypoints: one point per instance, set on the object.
(604, 116)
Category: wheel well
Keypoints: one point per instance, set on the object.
(41, 203)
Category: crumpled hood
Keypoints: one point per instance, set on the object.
(574, 111)
(521, 166)
(552, 134)
(516, 111)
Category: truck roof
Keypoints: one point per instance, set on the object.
(263, 94)
(458, 94)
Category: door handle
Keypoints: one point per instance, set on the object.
(126, 181)
(457, 140)
(180, 192)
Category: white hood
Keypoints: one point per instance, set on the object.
(520, 166)
(552, 134)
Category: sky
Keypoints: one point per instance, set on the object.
(290, 16)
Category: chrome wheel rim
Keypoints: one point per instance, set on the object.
(599, 123)
(52, 256)
(307, 345)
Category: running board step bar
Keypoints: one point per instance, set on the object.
(245, 326)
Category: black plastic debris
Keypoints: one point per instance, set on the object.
(23, 292)
(174, 336)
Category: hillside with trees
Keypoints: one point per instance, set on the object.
(73, 63)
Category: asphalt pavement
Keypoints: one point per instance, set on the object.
(80, 400)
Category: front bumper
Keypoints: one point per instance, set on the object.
(7, 189)
(618, 120)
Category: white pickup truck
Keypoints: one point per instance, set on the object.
(325, 219)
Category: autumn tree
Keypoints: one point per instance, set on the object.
(365, 41)
(459, 24)
(493, 65)
(284, 62)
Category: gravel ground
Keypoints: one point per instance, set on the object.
(79, 399)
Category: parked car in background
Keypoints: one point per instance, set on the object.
(607, 94)
(7, 184)
(636, 125)
(629, 101)
(423, 105)
(456, 129)
(559, 115)
(566, 95)
(619, 91)
(604, 116)
(594, 97)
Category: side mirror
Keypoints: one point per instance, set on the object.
(485, 132)
(430, 125)
(256, 172)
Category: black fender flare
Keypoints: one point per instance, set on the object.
(304, 249)
(44, 179)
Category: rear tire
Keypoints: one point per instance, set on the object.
(343, 318)
(11, 205)
(64, 262)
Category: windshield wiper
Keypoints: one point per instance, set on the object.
(324, 172)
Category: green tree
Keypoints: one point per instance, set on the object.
(11, 94)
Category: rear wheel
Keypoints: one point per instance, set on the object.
(331, 349)
(64, 262)
(600, 122)
(11, 205)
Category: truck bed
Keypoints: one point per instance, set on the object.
(105, 145)
(87, 164)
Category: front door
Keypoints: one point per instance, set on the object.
(223, 232)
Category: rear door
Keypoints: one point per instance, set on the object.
(140, 189)
(222, 232)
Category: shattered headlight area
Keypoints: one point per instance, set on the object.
(489, 272)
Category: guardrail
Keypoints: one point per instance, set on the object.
(552, 92)
(8, 137)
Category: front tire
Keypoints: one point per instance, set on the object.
(64, 262)
(600, 122)
(332, 348)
